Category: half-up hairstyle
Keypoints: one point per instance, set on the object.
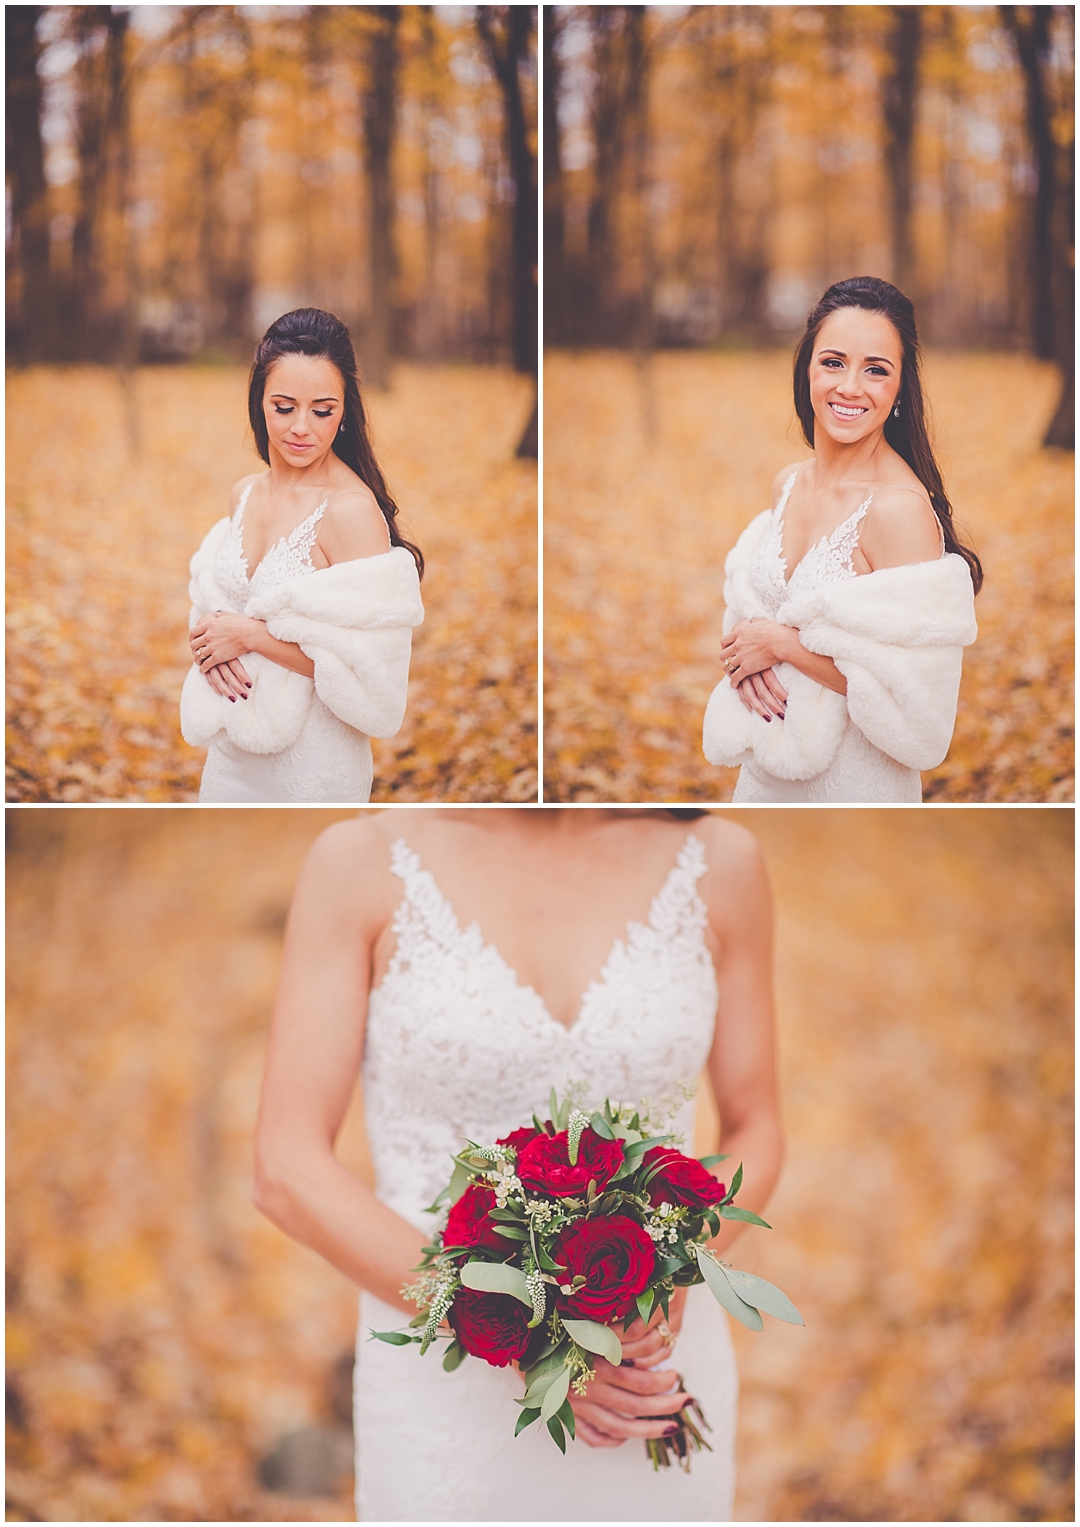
(310, 331)
(907, 435)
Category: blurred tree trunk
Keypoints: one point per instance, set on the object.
(637, 128)
(32, 341)
(607, 24)
(898, 94)
(554, 196)
(429, 328)
(120, 82)
(378, 111)
(741, 83)
(506, 31)
(1052, 232)
(95, 113)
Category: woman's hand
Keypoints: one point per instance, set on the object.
(632, 1401)
(754, 645)
(763, 694)
(223, 637)
(229, 680)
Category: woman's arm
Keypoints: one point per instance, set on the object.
(755, 646)
(312, 1062)
(220, 640)
(742, 1062)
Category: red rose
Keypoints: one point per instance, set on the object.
(544, 1164)
(492, 1326)
(681, 1179)
(615, 1257)
(467, 1223)
(519, 1138)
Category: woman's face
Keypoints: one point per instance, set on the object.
(854, 374)
(303, 404)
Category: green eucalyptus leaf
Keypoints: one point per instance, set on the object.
(395, 1338)
(639, 1147)
(595, 1338)
(565, 1414)
(553, 1104)
(511, 1232)
(496, 1278)
(455, 1356)
(729, 1211)
(763, 1296)
(645, 1304)
(736, 1182)
(555, 1428)
(526, 1418)
(539, 1387)
(555, 1394)
(712, 1160)
(725, 1295)
(600, 1126)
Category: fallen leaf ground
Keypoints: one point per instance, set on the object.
(638, 521)
(162, 1337)
(98, 543)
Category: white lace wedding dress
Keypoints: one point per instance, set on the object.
(457, 1046)
(329, 761)
(858, 771)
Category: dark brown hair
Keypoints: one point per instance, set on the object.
(310, 331)
(907, 434)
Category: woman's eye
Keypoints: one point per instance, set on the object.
(324, 415)
(878, 371)
(279, 410)
(832, 363)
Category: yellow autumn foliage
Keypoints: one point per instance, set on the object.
(649, 477)
(163, 1337)
(98, 543)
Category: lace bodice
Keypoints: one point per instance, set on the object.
(457, 1047)
(828, 561)
(289, 558)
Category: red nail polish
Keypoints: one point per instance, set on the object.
(768, 718)
(668, 1430)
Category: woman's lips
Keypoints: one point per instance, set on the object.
(293, 446)
(848, 410)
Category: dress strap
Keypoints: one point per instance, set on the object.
(677, 906)
(423, 911)
(785, 494)
(238, 513)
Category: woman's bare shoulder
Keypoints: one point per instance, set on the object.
(352, 525)
(348, 868)
(737, 874)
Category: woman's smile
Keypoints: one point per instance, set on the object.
(848, 410)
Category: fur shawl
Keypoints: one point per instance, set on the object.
(354, 620)
(897, 637)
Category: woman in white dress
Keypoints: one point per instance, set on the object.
(849, 602)
(456, 960)
(304, 598)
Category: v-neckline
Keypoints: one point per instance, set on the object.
(781, 510)
(249, 575)
(489, 948)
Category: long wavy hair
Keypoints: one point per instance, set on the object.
(310, 331)
(907, 434)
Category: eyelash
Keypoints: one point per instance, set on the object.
(325, 415)
(831, 361)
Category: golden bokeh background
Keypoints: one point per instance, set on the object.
(163, 1339)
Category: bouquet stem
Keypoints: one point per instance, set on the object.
(680, 1444)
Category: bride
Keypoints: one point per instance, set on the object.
(303, 599)
(455, 960)
(849, 602)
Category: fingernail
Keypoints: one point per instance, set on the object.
(243, 697)
(669, 1429)
(232, 699)
(628, 1362)
(768, 718)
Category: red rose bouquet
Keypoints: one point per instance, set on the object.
(558, 1232)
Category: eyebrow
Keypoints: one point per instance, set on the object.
(290, 399)
(843, 353)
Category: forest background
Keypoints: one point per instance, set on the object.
(179, 176)
(173, 1357)
(708, 172)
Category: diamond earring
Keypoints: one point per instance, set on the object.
(896, 411)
